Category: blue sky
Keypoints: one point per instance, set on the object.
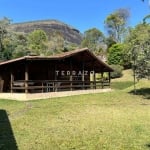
(81, 14)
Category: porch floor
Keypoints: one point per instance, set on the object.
(37, 96)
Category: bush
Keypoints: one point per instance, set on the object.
(117, 71)
(116, 54)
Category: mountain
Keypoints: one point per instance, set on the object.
(69, 33)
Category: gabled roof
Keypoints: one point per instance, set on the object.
(61, 56)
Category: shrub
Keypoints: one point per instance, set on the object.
(117, 71)
(115, 55)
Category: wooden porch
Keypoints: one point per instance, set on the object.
(42, 86)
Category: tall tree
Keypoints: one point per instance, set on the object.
(116, 24)
(94, 40)
(139, 44)
(21, 45)
(36, 42)
(3, 31)
(55, 43)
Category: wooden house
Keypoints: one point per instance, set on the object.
(64, 72)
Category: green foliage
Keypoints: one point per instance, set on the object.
(4, 23)
(20, 51)
(116, 54)
(94, 40)
(15, 45)
(117, 73)
(55, 43)
(145, 19)
(69, 46)
(36, 42)
(110, 42)
(8, 47)
(139, 44)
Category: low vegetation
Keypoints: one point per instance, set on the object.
(118, 120)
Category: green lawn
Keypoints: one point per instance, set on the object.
(117, 120)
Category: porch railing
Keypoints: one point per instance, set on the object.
(40, 86)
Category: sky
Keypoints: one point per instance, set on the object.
(81, 14)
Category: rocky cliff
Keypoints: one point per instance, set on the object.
(69, 33)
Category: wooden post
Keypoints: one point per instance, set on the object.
(109, 78)
(71, 78)
(102, 79)
(42, 87)
(94, 76)
(11, 81)
(83, 77)
(26, 77)
(54, 83)
(55, 75)
(94, 80)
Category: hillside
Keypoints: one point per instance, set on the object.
(69, 33)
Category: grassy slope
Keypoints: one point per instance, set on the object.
(117, 120)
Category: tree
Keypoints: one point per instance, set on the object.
(55, 43)
(110, 42)
(93, 39)
(139, 44)
(21, 48)
(116, 54)
(9, 44)
(20, 51)
(145, 19)
(15, 45)
(116, 24)
(3, 32)
(36, 42)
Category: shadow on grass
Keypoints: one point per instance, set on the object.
(148, 145)
(121, 85)
(145, 92)
(7, 139)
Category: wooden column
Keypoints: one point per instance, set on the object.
(93, 77)
(11, 81)
(71, 79)
(109, 78)
(102, 73)
(55, 75)
(26, 77)
(94, 80)
(55, 78)
(83, 77)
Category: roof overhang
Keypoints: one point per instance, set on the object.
(79, 54)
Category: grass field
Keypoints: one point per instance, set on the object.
(117, 120)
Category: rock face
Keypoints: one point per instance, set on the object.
(69, 33)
